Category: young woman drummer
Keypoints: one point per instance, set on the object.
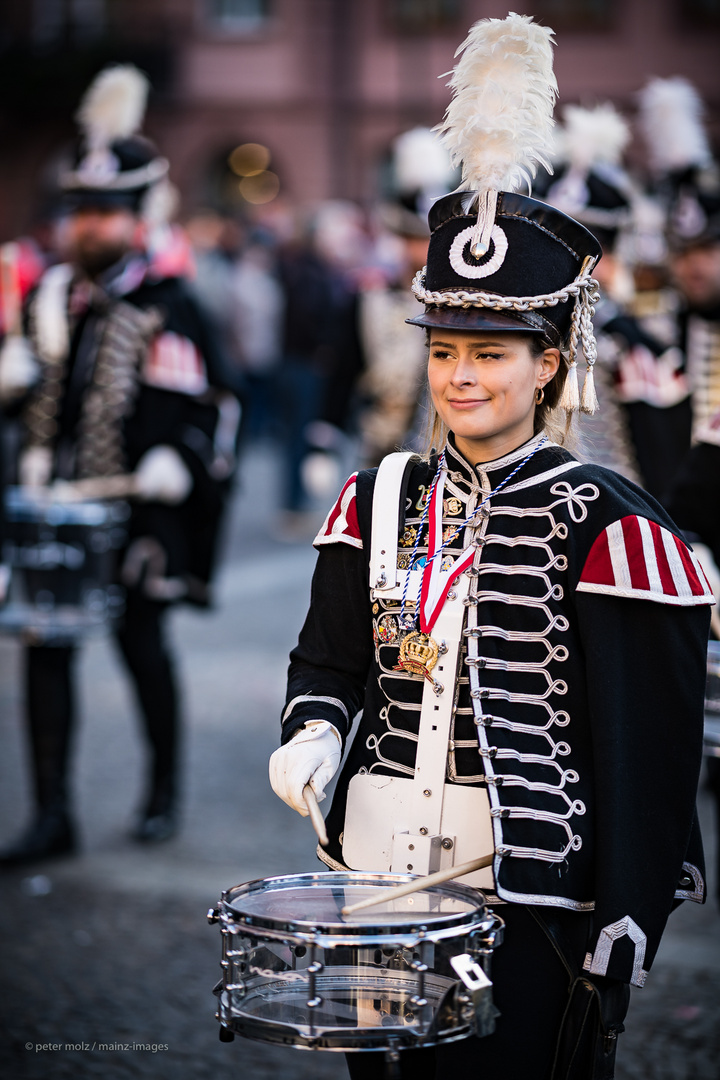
(524, 634)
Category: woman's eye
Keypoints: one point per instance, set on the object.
(439, 354)
(490, 356)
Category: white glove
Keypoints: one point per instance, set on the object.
(162, 476)
(312, 756)
(35, 467)
(19, 370)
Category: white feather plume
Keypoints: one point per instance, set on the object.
(421, 162)
(499, 123)
(595, 136)
(113, 106)
(671, 121)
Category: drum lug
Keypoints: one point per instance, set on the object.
(213, 915)
(480, 987)
(393, 1065)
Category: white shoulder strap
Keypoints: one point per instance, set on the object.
(385, 521)
(52, 334)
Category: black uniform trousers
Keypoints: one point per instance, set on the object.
(49, 677)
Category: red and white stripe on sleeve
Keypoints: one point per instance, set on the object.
(636, 557)
(174, 363)
(341, 525)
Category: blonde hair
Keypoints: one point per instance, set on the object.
(549, 417)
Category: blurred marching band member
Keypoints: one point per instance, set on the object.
(693, 496)
(321, 356)
(392, 382)
(588, 183)
(120, 376)
(686, 185)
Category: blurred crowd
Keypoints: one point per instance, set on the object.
(310, 303)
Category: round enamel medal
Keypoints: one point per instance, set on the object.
(387, 629)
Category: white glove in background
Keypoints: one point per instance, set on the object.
(162, 476)
(35, 467)
(19, 370)
(312, 756)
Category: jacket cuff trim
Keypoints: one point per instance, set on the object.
(315, 699)
(597, 964)
(697, 891)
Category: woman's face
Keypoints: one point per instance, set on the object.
(483, 387)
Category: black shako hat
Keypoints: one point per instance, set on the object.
(686, 178)
(596, 200)
(694, 211)
(535, 251)
(118, 176)
(112, 164)
(590, 184)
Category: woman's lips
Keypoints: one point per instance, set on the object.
(466, 403)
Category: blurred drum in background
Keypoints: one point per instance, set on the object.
(711, 743)
(61, 558)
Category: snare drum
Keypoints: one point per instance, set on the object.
(62, 560)
(296, 971)
(711, 741)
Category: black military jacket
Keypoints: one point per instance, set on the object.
(593, 624)
(128, 364)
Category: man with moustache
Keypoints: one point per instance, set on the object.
(122, 376)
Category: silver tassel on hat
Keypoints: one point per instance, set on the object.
(582, 335)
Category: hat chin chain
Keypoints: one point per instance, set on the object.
(586, 291)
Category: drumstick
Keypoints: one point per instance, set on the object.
(396, 891)
(97, 487)
(318, 821)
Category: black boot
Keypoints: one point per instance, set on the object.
(158, 821)
(49, 703)
(141, 638)
(50, 834)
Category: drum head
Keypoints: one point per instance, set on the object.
(308, 903)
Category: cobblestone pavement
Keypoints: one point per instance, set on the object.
(110, 952)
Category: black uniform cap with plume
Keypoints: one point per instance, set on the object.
(421, 172)
(591, 184)
(680, 159)
(534, 261)
(114, 164)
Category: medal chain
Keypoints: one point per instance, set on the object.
(407, 621)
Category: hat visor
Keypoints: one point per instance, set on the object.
(474, 318)
(101, 199)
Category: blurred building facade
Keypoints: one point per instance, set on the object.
(324, 85)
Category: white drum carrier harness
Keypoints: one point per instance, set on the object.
(422, 824)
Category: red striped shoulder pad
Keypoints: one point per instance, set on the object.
(173, 362)
(638, 558)
(341, 525)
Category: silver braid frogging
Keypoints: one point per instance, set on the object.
(586, 291)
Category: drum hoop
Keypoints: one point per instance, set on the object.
(329, 934)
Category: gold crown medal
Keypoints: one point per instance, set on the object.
(418, 654)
